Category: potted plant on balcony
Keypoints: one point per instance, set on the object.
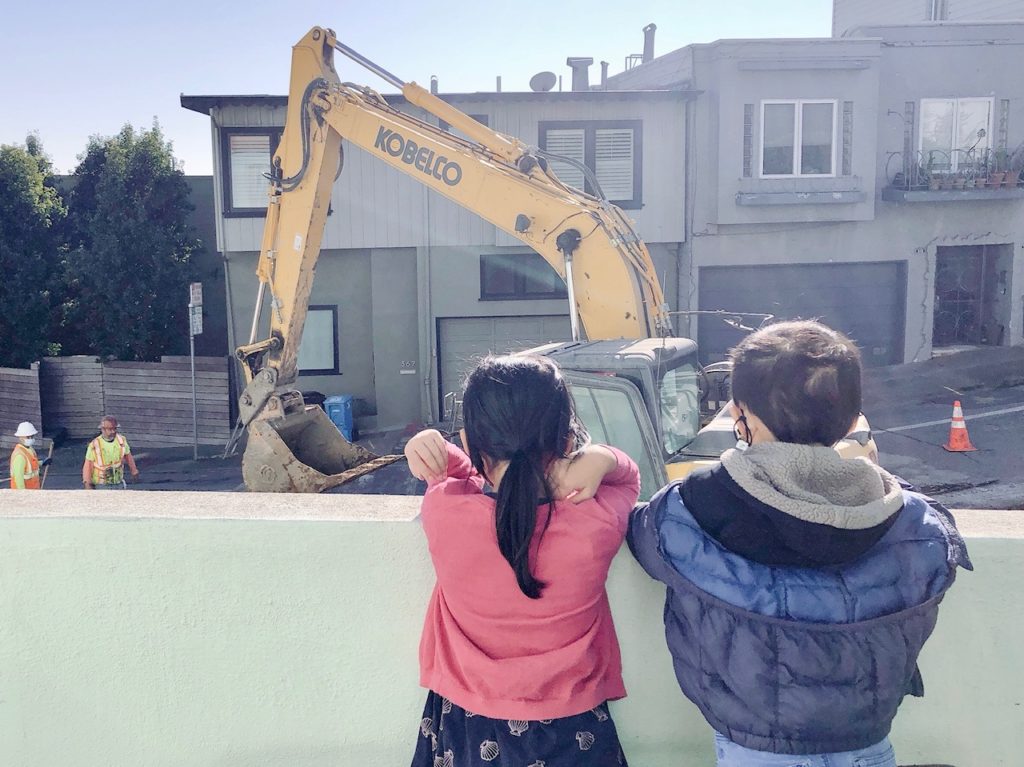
(996, 168)
(1015, 165)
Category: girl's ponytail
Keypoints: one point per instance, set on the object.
(516, 517)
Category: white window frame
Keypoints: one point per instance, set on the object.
(955, 101)
(798, 105)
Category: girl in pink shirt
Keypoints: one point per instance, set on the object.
(519, 651)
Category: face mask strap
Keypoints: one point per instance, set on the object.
(745, 436)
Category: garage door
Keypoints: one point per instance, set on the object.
(865, 300)
(462, 341)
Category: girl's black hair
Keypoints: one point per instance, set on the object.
(801, 378)
(519, 409)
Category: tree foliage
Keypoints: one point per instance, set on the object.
(129, 262)
(31, 210)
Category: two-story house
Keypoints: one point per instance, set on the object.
(847, 15)
(410, 288)
(855, 179)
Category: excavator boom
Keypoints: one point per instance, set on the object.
(613, 289)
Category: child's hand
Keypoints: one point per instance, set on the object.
(578, 477)
(427, 454)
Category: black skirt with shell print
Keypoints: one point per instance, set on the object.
(450, 736)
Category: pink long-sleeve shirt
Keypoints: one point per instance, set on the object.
(487, 646)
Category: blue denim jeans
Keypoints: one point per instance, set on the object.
(732, 755)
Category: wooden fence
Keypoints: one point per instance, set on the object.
(151, 400)
(72, 394)
(19, 398)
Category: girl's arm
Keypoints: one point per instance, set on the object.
(433, 459)
(596, 469)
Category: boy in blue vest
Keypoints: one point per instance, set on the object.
(800, 586)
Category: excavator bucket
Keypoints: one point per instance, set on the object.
(303, 453)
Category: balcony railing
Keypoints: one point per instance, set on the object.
(961, 174)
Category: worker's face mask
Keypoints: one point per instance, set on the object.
(29, 441)
(109, 437)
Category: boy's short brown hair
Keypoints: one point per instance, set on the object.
(801, 378)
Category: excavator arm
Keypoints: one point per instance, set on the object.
(613, 289)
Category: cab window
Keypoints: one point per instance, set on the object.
(679, 401)
(611, 419)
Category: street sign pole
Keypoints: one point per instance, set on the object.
(195, 327)
(195, 415)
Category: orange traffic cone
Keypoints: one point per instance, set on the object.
(958, 442)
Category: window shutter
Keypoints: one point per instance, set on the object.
(748, 140)
(568, 143)
(1004, 123)
(250, 159)
(847, 138)
(910, 159)
(613, 162)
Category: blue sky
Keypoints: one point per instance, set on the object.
(77, 69)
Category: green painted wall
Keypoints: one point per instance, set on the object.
(233, 642)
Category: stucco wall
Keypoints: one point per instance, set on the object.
(343, 279)
(230, 630)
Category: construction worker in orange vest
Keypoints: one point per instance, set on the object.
(24, 461)
(105, 458)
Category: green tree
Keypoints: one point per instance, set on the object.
(129, 263)
(30, 253)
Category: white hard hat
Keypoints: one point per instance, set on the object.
(25, 429)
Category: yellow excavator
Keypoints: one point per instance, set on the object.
(636, 386)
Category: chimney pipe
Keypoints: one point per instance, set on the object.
(433, 84)
(497, 84)
(580, 72)
(604, 75)
(649, 43)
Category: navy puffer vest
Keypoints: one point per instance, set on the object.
(798, 660)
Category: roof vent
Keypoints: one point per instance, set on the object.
(580, 72)
(649, 43)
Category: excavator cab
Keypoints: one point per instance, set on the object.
(646, 397)
(642, 396)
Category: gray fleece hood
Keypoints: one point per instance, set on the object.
(814, 484)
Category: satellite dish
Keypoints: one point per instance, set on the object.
(543, 81)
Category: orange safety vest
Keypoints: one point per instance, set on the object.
(32, 475)
(109, 473)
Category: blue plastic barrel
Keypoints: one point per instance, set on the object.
(339, 410)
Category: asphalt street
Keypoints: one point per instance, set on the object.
(910, 407)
